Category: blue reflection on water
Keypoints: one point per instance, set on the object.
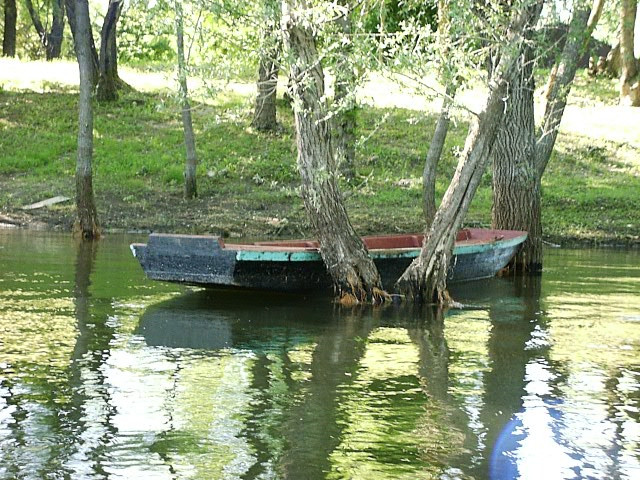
(539, 433)
(503, 461)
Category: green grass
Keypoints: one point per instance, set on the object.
(248, 181)
(589, 90)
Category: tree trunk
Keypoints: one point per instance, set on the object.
(425, 279)
(613, 61)
(190, 188)
(444, 41)
(87, 223)
(345, 101)
(516, 183)
(629, 85)
(580, 29)
(264, 115)
(70, 7)
(54, 39)
(354, 274)
(35, 18)
(9, 36)
(51, 41)
(108, 59)
(518, 160)
(433, 157)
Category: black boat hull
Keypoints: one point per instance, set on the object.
(204, 261)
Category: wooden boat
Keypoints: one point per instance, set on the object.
(296, 266)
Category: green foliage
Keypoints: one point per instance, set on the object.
(144, 32)
(390, 16)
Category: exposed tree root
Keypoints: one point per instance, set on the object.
(358, 296)
(89, 234)
(348, 300)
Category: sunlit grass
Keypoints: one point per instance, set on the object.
(246, 179)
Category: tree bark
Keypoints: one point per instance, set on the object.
(519, 160)
(52, 40)
(444, 39)
(190, 187)
(70, 8)
(613, 62)
(580, 29)
(9, 36)
(108, 59)
(629, 85)
(425, 279)
(354, 274)
(264, 115)
(433, 156)
(345, 101)
(516, 183)
(87, 223)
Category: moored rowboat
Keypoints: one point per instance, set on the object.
(292, 266)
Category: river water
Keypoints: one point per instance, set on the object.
(104, 374)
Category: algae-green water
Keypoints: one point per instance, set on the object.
(105, 374)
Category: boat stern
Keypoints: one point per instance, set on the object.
(138, 249)
(189, 259)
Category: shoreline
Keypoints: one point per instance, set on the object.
(248, 182)
(64, 225)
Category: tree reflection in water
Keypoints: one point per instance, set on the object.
(107, 375)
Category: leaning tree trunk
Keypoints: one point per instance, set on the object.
(70, 7)
(354, 274)
(583, 22)
(425, 279)
(345, 85)
(629, 82)
(51, 41)
(516, 184)
(444, 40)
(108, 60)
(190, 187)
(433, 157)
(9, 36)
(87, 223)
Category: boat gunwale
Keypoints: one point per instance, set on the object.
(296, 254)
(477, 237)
(485, 239)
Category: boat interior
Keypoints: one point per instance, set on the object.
(383, 242)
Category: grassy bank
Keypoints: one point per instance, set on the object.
(248, 180)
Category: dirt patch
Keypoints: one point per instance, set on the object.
(221, 215)
(160, 212)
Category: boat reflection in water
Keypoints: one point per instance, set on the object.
(294, 386)
(171, 325)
